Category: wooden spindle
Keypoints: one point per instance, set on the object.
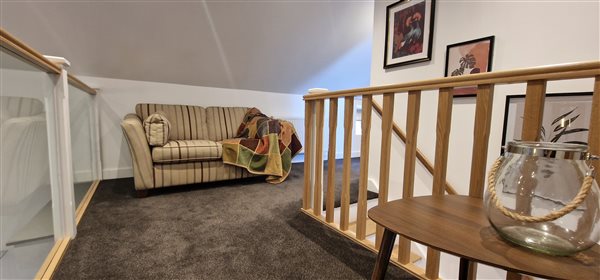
(308, 123)
(481, 136)
(387, 119)
(410, 156)
(345, 199)
(444, 120)
(361, 213)
(532, 125)
(420, 156)
(412, 130)
(318, 191)
(534, 110)
(330, 199)
(594, 133)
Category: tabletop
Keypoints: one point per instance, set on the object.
(458, 225)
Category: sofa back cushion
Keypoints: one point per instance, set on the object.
(15, 107)
(187, 122)
(223, 122)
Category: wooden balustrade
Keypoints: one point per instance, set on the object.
(536, 79)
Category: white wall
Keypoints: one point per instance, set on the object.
(119, 97)
(527, 34)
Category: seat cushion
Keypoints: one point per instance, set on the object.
(186, 151)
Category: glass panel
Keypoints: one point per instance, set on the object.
(83, 124)
(26, 226)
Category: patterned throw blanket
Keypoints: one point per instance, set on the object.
(263, 145)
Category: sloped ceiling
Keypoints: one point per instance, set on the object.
(276, 46)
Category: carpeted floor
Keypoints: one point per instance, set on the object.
(228, 230)
(354, 174)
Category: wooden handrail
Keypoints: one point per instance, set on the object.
(420, 156)
(14, 45)
(553, 72)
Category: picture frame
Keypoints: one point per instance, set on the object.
(408, 32)
(467, 58)
(565, 120)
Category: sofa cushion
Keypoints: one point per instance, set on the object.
(223, 122)
(186, 151)
(187, 122)
(157, 128)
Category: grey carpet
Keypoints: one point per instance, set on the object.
(245, 229)
(354, 174)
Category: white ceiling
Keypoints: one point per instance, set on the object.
(266, 45)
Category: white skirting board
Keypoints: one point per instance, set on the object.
(114, 173)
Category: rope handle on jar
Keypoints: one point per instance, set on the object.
(572, 205)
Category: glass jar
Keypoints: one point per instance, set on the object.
(543, 196)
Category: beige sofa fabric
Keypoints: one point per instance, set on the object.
(192, 154)
(140, 152)
(223, 122)
(187, 122)
(157, 128)
(196, 172)
(14, 107)
(187, 150)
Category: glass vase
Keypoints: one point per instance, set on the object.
(543, 196)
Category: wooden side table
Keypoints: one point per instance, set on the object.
(458, 225)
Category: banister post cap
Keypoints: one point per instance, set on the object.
(317, 90)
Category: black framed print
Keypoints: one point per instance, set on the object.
(467, 58)
(565, 120)
(408, 32)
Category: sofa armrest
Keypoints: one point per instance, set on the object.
(143, 173)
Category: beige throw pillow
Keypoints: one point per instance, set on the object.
(157, 129)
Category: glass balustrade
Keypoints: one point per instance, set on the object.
(26, 224)
(83, 141)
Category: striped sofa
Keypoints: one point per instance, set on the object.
(193, 151)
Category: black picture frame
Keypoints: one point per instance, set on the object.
(551, 98)
(409, 13)
(451, 50)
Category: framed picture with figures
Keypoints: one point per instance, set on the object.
(408, 32)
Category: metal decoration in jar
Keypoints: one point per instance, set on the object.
(543, 196)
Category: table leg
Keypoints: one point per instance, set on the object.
(467, 269)
(383, 258)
